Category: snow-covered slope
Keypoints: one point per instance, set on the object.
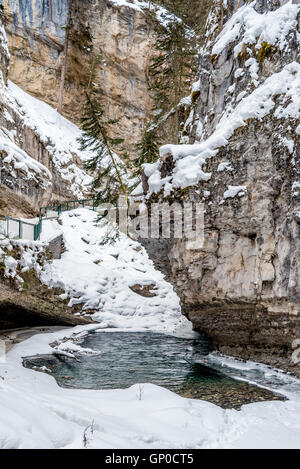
(19, 161)
(100, 277)
(57, 136)
(36, 139)
(48, 145)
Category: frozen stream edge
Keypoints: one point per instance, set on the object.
(160, 419)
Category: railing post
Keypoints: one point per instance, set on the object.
(37, 229)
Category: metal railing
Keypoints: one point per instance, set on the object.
(55, 211)
(15, 228)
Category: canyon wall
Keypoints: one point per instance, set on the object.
(120, 33)
(243, 138)
(116, 38)
(40, 159)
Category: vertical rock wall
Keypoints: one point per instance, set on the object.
(243, 286)
(120, 34)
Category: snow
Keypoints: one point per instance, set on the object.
(288, 143)
(233, 191)
(253, 66)
(161, 13)
(100, 276)
(160, 419)
(71, 349)
(278, 94)
(241, 95)
(224, 166)
(239, 73)
(28, 258)
(58, 134)
(296, 188)
(19, 164)
(255, 28)
(3, 40)
(144, 415)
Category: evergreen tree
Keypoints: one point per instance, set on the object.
(148, 148)
(107, 171)
(108, 178)
(171, 71)
(173, 67)
(194, 13)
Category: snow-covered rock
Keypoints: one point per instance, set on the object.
(39, 152)
(100, 277)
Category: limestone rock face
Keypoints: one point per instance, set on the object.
(40, 159)
(243, 286)
(122, 35)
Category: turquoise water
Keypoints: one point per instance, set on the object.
(127, 358)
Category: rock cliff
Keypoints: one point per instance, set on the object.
(120, 32)
(40, 160)
(241, 159)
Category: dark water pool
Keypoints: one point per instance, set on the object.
(127, 358)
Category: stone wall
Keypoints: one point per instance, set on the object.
(56, 247)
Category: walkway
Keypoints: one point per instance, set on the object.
(18, 228)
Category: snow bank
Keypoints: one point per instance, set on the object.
(60, 137)
(120, 419)
(296, 188)
(279, 94)
(233, 191)
(100, 276)
(3, 39)
(18, 257)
